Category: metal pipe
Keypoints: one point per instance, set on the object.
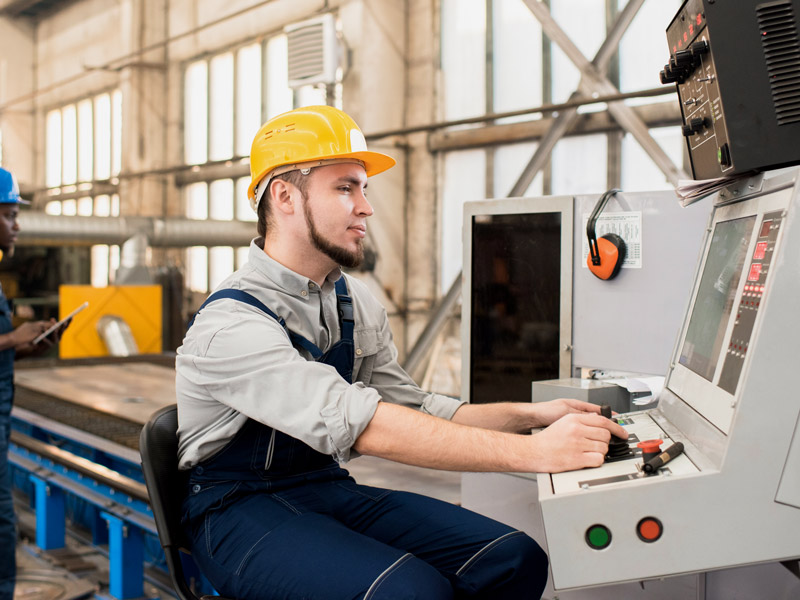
(654, 115)
(544, 108)
(84, 466)
(239, 166)
(38, 228)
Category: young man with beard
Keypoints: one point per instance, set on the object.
(14, 343)
(289, 369)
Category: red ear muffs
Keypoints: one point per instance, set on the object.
(606, 254)
(611, 251)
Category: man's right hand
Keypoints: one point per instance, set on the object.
(575, 441)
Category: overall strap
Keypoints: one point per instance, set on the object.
(345, 305)
(241, 296)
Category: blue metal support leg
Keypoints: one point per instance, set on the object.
(50, 514)
(99, 527)
(126, 559)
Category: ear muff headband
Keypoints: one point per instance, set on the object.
(606, 254)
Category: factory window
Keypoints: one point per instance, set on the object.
(83, 148)
(105, 259)
(495, 57)
(83, 141)
(639, 172)
(644, 51)
(226, 99)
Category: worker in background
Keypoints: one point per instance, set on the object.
(289, 369)
(14, 343)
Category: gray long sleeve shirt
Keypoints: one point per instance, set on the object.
(237, 363)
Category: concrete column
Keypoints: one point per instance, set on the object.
(422, 214)
(374, 94)
(16, 80)
(143, 82)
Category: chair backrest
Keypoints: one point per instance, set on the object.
(158, 445)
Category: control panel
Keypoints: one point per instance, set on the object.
(736, 66)
(750, 303)
(641, 428)
(691, 67)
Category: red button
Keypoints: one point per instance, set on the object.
(650, 446)
(649, 529)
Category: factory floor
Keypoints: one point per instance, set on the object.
(79, 571)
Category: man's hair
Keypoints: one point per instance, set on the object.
(297, 179)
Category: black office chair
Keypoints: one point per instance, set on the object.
(158, 444)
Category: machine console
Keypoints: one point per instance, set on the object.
(732, 496)
(640, 427)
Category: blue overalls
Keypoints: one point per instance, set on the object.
(270, 517)
(8, 536)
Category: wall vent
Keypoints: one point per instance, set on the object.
(313, 51)
(778, 28)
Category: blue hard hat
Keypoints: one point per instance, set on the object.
(9, 190)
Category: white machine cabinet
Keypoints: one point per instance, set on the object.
(731, 397)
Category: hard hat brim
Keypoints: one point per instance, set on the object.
(374, 163)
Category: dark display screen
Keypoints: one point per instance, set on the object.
(714, 303)
(516, 304)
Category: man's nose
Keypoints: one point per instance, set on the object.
(363, 207)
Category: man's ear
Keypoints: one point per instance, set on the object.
(280, 192)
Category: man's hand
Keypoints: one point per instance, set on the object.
(549, 412)
(575, 441)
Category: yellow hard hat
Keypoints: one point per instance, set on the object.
(307, 137)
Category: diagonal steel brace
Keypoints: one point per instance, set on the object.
(566, 118)
(594, 82)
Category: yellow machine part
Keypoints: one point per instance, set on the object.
(138, 305)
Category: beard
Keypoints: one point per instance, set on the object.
(342, 256)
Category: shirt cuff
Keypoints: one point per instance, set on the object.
(441, 406)
(347, 417)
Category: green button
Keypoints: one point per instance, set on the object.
(598, 537)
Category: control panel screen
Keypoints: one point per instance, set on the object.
(516, 306)
(714, 303)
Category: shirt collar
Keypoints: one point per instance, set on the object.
(290, 281)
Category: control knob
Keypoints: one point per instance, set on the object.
(693, 126)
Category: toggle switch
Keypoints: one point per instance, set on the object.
(693, 126)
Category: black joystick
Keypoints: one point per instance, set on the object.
(618, 448)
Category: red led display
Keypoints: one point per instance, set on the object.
(761, 251)
(699, 18)
(765, 227)
(755, 272)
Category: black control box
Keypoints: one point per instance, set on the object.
(736, 65)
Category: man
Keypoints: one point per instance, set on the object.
(14, 343)
(290, 367)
